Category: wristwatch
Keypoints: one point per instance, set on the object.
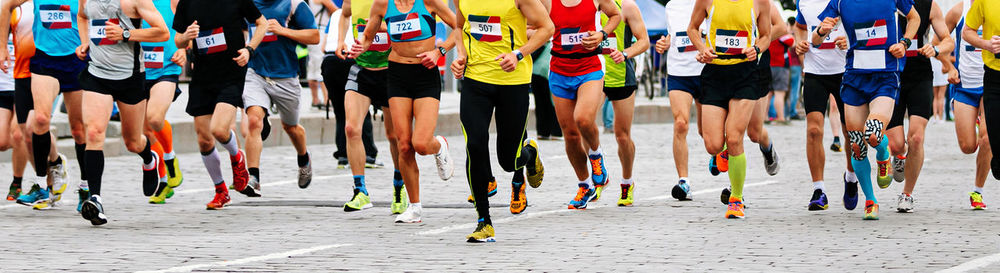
(605, 33)
(442, 50)
(906, 42)
(125, 35)
(517, 52)
(250, 50)
(625, 54)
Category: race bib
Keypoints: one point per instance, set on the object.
(731, 41)
(912, 51)
(55, 16)
(869, 59)
(406, 29)
(152, 56)
(871, 33)
(609, 45)
(683, 43)
(96, 30)
(211, 41)
(828, 41)
(10, 48)
(379, 43)
(485, 28)
(268, 36)
(572, 39)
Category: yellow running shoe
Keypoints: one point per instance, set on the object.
(484, 234)
(977, 201)
(174, 176)
(871, 210)
(628, 191)
(884, 176)
(161, 197)
(492, 190)
(399, 200)
(518, 201)
(360, 201)
(535, 169)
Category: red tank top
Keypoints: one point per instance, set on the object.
(572, 24)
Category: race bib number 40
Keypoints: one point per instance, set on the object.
(211, 41)
(872, 33)
(683, 43)
(379, 43)
(485, 28)
(731, 41)
(407, 28)
(55, 16)
(152, 56)
(96, 30)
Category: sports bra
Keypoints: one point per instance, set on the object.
(415, 25)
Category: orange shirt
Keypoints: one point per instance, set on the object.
(24, 45)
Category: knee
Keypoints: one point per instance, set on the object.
(969, 147)
(255, 124)
(623, 137)
(572, 136)
(814, 131)
(95, 133)
(754, 136)
(135, 145)
(681, 126)
(405, 148)
(422, 148)
(221, 133)
(154, 121)
(17, 136)
(205, 142)
(293, 129)
(713, 148)
(42, 119)
(916, 140)
(583, 121)
(897, 146)
(734, 140)
(352, 131)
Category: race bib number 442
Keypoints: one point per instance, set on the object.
(152, 56)
(55, 16)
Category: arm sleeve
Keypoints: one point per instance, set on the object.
(249, 11)
(303, 18)
(181, 20)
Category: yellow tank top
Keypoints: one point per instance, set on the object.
(493, 28)
(731, 28)
(377, 55)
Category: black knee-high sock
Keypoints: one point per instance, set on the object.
(146, 154)
(95, 160)
(40, 145)
(81, 151)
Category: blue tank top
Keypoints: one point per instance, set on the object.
(54, 28)
(156, 56)
(416, 25)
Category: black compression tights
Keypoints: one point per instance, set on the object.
(991, 106)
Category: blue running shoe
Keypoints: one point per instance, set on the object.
(599, 175)
(681, 191)
(93, 211)
(818, 201)
(850, 194)
(714, 169)
(35, 196)
(84, 195)
(583, 195)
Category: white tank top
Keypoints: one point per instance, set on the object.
(827, 59)
(970, 59)
(681, 55)
(332, 35)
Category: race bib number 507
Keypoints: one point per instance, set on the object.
(485, 28)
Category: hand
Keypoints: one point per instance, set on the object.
(827, 25)
(243, 58)
(508, 61)
(994, 45)
(357, 49)
(593, 40)
(928, 51)
(841, 42)
(429, 59)
(663, 44)
(81, 50)
(192, 31)
(458, 66)
(617, 56)
(898, 50)
(341, 51)
(180, 57)
(751, 53)
(706, 56)
(273, 26)
(952, 75)
(802, 47)
(113, 31)
(4, 59)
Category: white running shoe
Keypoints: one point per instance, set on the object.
(905, 203)
(411, 215)
(898, 169)
(58, 176)
(446, 168)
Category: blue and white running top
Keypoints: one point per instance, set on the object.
(871, 27)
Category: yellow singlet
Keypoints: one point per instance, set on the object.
(731, 28)
(493, 28)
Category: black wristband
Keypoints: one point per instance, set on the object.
(605, 33)
(906, 42)
(442, 50)
(250, 50)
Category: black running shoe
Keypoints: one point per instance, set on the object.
(818, 201)
(93, 211)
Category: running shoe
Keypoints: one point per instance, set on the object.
(836, 147)
(712, 167)
(305, 175)
(161, 194)
(240, 174)
(360, 201)
(492, 187)
(93, 211)
(518, 201)
(84, 196)
(722, 160)
(34, 196)
(370, 163)
(151, 177)
(977, 201)
(484, 234)
(583, 195)
(898, 166)
(342, 163)
(905, 203)
(850, 194)
(884, 179)
(174, 176)
(15, 191)
(536, 170)
(58, 176)
(681, 191)
(411, 215)
(599, 175)
(871, 210)
(220, 200)
(818, 201)
(265, 131)
(253, 188)
(399, 200)
(771, 161)
(734, 209)
(725, 195)
(446, 168)
(628, 195)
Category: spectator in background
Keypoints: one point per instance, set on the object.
(795, 78)
(321, 10)
(780, 74)
(545, 112)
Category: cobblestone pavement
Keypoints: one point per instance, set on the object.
(290, 229)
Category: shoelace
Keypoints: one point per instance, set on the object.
(734, 205)
(625, 191)
(580, 193)
(883, 169)
(596, 165)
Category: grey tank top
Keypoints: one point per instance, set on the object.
(112, 60)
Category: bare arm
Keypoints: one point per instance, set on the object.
(442, 11)
(778, 27)
(5, 12)
(633, 18)
(609, 8)
(898, 50)
(342, 26)
(536, 15)
(697, 17)
(374, 22)
(157, 31)
(458, 64)
(764, 24)
(946, 44)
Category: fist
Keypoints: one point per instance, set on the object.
(827, 25)
(994, 45)
(897, 50)
(192, 31)
(841, 42)
(706, 56)
(801, 47)
(113, 31)
(458, 67)
(751, 53)
(663, 44)
(928, 51)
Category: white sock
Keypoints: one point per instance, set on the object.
(818, 185)
(214, 167)
(588, 182)
(978, 189)
(593, 152)
(684, 180)
(152, 162)
(84, 185)
(627, 181)
(169, 156)
(231, 146)
(851, 177)
(416, 205)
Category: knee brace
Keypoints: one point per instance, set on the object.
(858, 138)
(873, 127)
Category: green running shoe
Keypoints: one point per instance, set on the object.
(359, 202)
(174, 176)
(399, 200)
(161, 196)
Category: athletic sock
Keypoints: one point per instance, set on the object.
(416, 205)
(836, 139)
(96, 160)
(41, 145)
(16, 181)
(737, 174)
(397, 179)
(882, 149)
(588, 182)
(231, 145)
(359, 184)
(627, 181)
(595, 152)
(255, 172)
(303, 160)
(683, 180)
(81, 151)
(766, 150)
(147, 157)
(165, 137)
(213, 166)
(864, 170)
(850, 176)
(975, 189)
(486, 220)
(518, 177)
(160, 163)
(818, 185)
(58, 161)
